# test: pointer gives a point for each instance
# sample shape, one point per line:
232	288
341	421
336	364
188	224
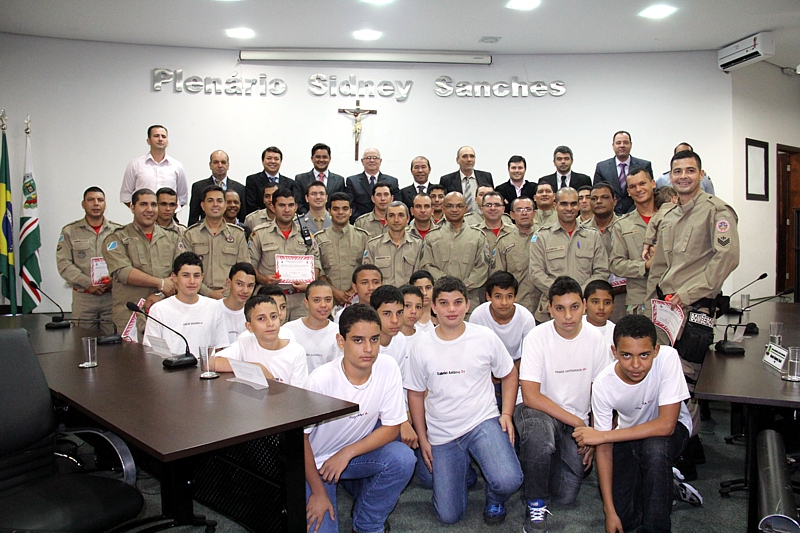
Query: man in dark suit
219	165
420	170
564	176
467	175
271	159
516	185
359	186
616	169
320	158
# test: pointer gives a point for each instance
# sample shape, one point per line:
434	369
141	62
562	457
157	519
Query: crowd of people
473	324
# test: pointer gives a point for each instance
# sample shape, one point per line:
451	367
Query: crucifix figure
357	112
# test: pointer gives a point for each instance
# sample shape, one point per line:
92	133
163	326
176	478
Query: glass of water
776	333
791	366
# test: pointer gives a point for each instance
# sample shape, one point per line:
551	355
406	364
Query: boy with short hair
366	278
280	359
412	301
599	296
560	359
423	280
276	293
240	284
647	389
315	332
500	313
198	318
459	416
367	460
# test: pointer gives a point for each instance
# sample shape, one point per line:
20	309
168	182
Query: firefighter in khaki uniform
79	246
493	223
700	240
167	206
512	252
456	249
341	248
374	222
220	245
627	240
566	249
283	236
397	252
139	258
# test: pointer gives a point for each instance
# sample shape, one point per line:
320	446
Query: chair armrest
121	449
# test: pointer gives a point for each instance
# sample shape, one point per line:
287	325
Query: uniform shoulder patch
724	241
723	226
61	238
181	247
533	239
111	246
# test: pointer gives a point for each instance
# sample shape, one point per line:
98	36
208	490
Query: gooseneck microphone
736	310
114	338
58	322
170	362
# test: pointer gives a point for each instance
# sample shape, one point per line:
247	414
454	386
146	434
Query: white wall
766	107
91	104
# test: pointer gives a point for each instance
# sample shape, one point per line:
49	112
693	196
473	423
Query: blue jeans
549	457
375	480
642	485
488	444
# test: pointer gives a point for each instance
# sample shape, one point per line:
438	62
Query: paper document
100	272
249	374
668	317
291	268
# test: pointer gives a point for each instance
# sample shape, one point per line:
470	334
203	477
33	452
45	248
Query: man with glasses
317	218
359	186
512	251
493	224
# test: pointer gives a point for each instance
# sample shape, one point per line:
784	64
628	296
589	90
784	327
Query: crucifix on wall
357	112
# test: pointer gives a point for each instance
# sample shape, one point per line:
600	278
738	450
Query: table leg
295	480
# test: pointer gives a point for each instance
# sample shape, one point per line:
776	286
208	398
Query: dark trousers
642	486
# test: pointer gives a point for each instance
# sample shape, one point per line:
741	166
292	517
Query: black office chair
32	495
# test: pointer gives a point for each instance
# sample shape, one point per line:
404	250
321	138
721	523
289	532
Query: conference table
747	380
174	416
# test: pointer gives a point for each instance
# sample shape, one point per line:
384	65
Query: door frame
782	213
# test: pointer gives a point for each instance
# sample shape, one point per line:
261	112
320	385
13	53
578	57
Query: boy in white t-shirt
599	297
277	294
423	280
280	359
458	418
198	318
413	306
646	388
366	278
360	451
315	332
240	284
560	359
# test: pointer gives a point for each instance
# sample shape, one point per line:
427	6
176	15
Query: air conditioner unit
755	48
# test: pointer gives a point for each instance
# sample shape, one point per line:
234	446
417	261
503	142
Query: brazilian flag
8	275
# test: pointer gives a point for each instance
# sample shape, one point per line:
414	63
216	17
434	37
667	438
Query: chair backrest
26	416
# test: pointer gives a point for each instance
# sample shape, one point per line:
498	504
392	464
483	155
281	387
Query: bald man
219	164
466	179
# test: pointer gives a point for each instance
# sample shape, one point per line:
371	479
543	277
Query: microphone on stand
58	322
752	327
170	362
735	310
114	338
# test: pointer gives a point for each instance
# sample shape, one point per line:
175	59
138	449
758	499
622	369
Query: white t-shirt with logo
512	333
457	375
565	368
608	334
234	321
637	404
320	344
201	323
381	397
288	364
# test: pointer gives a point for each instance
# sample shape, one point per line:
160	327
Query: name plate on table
248	374
775	355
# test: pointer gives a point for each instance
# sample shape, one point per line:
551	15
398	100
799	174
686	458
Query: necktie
371	183
563	181
468	194
623	182
322	177
421	188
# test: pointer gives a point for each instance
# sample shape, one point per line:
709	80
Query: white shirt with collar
145	173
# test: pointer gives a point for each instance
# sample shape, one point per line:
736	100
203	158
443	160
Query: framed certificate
291	268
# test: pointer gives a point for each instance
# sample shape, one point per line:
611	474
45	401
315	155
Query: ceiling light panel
240	33
367	35
658	11
523	5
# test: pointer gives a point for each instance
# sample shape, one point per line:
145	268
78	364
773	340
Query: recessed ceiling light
523	5
489	39
367	35
658	11
378	2
240	33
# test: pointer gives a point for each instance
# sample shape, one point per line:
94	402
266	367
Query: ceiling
555	27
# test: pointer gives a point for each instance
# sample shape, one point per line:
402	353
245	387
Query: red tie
322	177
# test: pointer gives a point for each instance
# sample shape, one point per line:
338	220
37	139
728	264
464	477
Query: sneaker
536	519
683	491
494	514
